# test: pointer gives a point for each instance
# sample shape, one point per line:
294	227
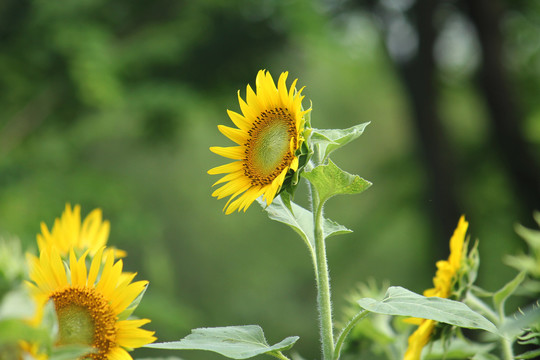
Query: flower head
269	134
68	232
91	306
443	283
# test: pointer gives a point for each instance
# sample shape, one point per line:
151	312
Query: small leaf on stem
327	140
301	220
330	180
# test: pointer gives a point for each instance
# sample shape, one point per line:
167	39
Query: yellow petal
94	267
233	152
118	353
125	295
227	168
419	339
229	177
238	120
236	135
231	188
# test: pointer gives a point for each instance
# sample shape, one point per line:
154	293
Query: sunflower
91	306
269	135
443	281
30	351
68	232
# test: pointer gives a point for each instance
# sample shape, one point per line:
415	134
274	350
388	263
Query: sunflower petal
236	135
222	169
233	152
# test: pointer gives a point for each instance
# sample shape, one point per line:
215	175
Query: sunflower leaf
457	349
16	304
500	297
330	180
532	354
301	220
484	356
515	324
403	302
235	342
14	330
327	140
69	352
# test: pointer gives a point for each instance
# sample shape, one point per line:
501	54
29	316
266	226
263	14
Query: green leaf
400	301
330	180
483	356
522	263
533	354
17	304
500	297
301	220
327	140
532	237
14	330
516	324
457	349
69	352
235	342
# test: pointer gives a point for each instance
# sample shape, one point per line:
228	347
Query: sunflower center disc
75	325
85	318
270	147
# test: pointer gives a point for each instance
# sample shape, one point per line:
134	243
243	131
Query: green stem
324	302
476	303
508	353
482	307
346	330
279	355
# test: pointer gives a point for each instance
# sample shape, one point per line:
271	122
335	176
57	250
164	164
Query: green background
114	104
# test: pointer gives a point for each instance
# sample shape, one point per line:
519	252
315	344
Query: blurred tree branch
418	74
507	119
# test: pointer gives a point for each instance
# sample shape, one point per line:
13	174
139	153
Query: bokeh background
114	104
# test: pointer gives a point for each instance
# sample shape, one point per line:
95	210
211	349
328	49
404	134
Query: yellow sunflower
69	232
269	133
30	351
443	281
91	306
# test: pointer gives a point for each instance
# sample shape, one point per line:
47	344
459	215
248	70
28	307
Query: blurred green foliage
114	105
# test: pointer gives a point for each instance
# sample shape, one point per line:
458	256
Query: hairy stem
476	304
346	330
324	302
279	355
497	319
